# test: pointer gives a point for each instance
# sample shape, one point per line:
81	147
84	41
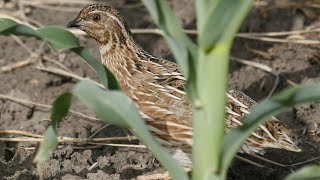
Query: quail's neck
122	59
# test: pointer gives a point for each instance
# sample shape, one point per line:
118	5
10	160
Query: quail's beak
75	23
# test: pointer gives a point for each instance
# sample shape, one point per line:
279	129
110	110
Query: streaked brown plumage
157	87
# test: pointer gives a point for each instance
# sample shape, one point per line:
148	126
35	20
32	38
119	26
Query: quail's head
102	22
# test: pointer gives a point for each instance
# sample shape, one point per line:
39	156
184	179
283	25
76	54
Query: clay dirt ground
293	63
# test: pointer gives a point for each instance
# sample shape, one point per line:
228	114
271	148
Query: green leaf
113	83
47	146
59	38
262	111
106	77
116	108
306	173
6	24
49	143
61	107
21	29
222	22
153	10
183	48
203	10
108	105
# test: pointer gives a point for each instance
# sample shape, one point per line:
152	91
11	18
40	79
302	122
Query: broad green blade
106	77
116	108
47	146
279	103
6	24
110	106
222	22
203	8
61	107
152	6
59	38
183	49
311	172
59	110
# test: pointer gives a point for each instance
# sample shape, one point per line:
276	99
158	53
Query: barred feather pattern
158	89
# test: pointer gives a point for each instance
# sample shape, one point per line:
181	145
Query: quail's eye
96	17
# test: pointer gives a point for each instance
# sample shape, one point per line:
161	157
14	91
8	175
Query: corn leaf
306	173
218	21
49	143
59	39
203	9
279	103
184	50
116	108
47	146
222	22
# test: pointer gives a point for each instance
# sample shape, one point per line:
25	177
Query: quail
158	88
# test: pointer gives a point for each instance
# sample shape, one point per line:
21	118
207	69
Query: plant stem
209	111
